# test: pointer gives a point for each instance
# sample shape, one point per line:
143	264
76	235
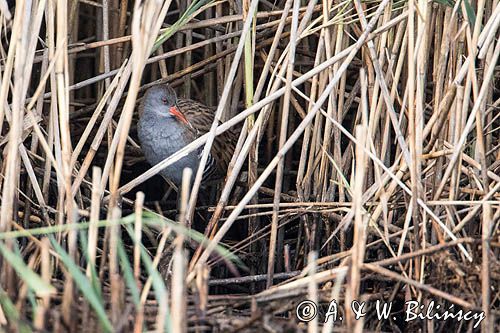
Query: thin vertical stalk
360	218
282	140
19	41
312	289
94	217
179	304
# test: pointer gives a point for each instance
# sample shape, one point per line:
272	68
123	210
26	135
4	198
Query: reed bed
367	168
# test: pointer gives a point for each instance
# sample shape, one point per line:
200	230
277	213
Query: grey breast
162	137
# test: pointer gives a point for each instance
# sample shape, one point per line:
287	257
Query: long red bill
174	111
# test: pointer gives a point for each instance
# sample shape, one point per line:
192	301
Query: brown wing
201	118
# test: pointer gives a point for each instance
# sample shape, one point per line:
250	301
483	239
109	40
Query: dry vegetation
368	165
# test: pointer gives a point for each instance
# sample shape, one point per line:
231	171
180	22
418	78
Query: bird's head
162	99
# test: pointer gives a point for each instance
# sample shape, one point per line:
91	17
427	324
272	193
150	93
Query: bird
167	124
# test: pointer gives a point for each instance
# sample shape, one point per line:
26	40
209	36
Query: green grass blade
183	19
127	273
150	219
93	272
154	219
158	283
84	285
470	13
33	280
10	311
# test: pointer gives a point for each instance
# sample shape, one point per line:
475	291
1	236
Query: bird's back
201	118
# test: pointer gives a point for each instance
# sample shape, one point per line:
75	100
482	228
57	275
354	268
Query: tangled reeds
367	172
